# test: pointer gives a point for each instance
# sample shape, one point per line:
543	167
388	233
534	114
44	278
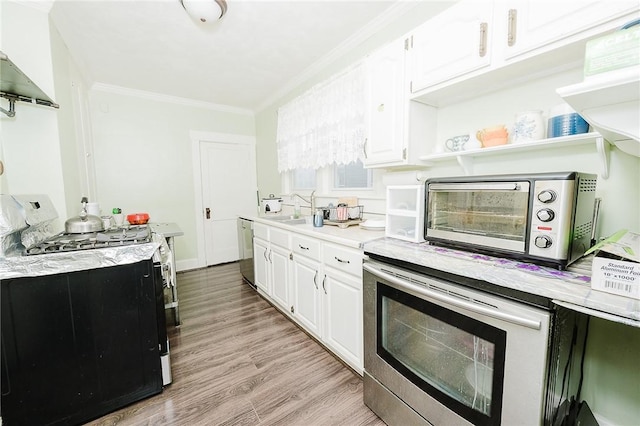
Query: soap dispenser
296	209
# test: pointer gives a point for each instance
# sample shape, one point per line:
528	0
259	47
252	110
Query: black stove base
79	345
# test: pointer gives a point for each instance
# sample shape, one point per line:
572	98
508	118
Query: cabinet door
453	43
306	304
261	264
533	24
387	95
343	313
279	258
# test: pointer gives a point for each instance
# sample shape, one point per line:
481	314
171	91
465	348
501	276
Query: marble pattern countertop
352	236
571	288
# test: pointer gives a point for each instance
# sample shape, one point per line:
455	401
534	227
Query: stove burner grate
64	242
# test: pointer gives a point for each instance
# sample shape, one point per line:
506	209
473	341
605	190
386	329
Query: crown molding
159	97
40	5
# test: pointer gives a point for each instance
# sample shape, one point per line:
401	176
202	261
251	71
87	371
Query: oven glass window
490	213
456	359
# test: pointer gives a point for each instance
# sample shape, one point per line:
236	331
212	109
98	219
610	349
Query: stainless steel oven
445	354
545	218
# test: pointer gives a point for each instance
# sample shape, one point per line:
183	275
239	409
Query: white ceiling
258	51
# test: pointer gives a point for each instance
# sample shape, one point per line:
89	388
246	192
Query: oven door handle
451	300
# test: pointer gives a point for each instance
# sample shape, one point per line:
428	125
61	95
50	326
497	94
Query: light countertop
571	288
166	229
352	236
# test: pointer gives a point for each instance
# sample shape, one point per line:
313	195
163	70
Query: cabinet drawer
260	231
343	258
306	247
279	237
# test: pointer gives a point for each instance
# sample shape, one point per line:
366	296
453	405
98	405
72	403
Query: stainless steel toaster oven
544	218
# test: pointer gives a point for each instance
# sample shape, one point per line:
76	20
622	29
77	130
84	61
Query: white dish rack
354	216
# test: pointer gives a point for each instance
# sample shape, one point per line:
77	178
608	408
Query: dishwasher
245	244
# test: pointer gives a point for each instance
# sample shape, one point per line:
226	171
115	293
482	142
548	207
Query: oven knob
545	215
547	196
543	241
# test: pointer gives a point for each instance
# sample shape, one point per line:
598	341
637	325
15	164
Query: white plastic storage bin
405	212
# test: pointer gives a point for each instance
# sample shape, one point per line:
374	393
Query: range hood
610	103
16	86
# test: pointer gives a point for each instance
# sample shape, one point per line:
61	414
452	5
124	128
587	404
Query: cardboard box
616	265
614	51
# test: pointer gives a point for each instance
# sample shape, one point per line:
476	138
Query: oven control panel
553	204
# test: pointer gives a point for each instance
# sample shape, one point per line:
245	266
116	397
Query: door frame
196	138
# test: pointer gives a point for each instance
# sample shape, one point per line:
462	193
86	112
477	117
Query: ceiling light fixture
205	10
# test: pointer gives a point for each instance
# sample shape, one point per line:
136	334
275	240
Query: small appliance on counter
544	218
272	204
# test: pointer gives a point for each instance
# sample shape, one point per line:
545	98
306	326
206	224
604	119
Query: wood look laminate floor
236	360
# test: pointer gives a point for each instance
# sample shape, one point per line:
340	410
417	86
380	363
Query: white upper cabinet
479	46
451	44
390	141
534	24
385	106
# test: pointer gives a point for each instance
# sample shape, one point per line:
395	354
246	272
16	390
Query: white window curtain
324	125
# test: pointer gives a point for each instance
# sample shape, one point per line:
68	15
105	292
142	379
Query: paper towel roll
93	208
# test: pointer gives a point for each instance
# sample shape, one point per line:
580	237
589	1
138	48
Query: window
303	179
352	175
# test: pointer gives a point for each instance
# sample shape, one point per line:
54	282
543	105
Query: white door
228	190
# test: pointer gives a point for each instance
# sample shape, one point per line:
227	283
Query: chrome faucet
311	200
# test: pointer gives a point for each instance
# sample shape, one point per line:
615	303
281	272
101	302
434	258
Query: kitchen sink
289	220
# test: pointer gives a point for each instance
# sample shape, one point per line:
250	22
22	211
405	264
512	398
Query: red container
138	218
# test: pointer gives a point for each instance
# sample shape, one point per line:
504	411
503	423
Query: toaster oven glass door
493	214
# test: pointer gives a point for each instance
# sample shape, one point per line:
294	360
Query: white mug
456	143
529	126
118	219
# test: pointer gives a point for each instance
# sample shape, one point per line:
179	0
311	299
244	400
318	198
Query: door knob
208	213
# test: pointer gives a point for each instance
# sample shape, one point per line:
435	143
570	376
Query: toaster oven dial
547	196
543	241
545	215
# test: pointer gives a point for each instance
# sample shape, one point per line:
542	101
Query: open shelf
610	103
466	158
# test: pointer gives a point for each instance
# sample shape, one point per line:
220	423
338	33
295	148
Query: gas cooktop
116	237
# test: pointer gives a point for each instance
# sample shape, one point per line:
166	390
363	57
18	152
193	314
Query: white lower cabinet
318	284
279	258
262	267
307	301
272	254
343	316
342	291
